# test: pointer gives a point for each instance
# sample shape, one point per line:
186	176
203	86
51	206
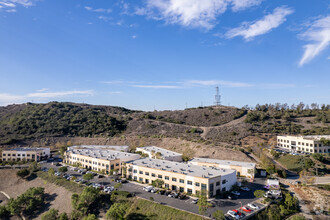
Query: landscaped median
71	186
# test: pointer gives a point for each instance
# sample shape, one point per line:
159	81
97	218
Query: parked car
246	209
253	206
182	196
148	188
173	195
58	164
162	192
233	214
194	201
154	190
241	215
236	193
245	189
167	192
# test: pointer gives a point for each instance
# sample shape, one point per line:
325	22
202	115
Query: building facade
307	144
98	160
242	168
28	154
160	153
182	177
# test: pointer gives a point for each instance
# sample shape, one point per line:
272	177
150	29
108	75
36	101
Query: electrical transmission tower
217	96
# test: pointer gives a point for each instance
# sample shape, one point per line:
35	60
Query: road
186	204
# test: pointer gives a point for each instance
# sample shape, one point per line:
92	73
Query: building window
23	155
8	154
27	155
117	164
217	183
141	179
181	189
189	182
167	178
140	172
203	186
146	173
189	191
112	167
197	184
167	186
173	179
3	155
134	171
153	175
147	181
181	181
160	176
135	178
18	155
14	155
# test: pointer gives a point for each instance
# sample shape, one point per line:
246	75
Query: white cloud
319	35
157	86
248	30
134	37
100	10
328	57
6	98
218	82
191	13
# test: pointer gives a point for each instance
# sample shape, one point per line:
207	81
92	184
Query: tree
202	203
83	201
259	193
3	212
63	169
218	215
90	217
273	213
88	176
117	211
63	216
51	171
297	217
34	166
50	215
158	183
23	173
62	150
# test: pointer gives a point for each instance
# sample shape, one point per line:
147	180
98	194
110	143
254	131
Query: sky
165	54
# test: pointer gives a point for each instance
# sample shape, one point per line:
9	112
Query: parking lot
185	204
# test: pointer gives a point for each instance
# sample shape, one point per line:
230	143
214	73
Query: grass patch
293	162
71	186
151	210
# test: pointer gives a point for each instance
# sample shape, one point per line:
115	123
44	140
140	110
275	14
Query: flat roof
307	137
26	149
102	154
224	162
164	152
110	147
182	168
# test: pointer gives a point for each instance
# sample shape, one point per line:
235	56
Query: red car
246	209
238	213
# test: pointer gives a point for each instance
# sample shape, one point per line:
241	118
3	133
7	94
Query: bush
88	176
63	169
259	193
4	212
23	173
50	215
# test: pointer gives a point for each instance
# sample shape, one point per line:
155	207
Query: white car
245	189
233	214
235	193
148	188
194	201
253	206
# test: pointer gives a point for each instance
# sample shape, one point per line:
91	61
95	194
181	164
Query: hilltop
213	126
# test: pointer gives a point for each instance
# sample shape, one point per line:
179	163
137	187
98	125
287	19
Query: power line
217	96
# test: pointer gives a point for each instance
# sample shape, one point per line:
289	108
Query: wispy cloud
14	3
249	30
318	33
99	10
218	82
6	98
157	86
191	13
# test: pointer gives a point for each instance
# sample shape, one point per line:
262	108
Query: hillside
213	126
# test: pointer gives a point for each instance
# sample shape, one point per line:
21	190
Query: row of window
89	161
14	155
189	182
306	149
301	143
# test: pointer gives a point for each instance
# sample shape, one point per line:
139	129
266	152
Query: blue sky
164	54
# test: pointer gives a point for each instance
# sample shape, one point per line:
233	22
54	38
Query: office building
28	154
160	153
307	144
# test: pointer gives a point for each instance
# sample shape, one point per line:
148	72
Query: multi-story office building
242	168
28	154
182	177
308	144
160	153
100	147
99	160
